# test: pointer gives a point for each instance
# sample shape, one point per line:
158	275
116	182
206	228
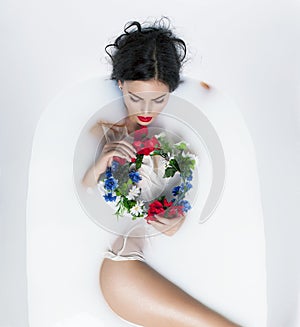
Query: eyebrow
143	99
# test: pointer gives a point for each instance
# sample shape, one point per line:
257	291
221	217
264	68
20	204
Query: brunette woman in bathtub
146	66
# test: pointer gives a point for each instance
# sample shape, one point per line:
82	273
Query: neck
131	126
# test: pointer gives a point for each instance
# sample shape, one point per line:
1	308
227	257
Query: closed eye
159	101
134	100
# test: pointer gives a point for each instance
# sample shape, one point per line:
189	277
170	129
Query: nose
146	107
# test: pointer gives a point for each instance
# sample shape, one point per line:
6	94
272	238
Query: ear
120	84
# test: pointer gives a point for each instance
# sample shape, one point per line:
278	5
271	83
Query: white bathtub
227	269
64	245
257	63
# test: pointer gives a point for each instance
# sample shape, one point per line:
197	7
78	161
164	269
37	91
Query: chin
144	123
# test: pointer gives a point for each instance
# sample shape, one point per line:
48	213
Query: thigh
139	294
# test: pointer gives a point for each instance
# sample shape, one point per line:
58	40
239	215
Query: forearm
92	175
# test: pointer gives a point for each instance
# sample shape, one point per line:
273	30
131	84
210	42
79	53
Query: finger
129	148
115	146
163	220
181	221
169	221
125	151
121	154
129	145
159	226
118	153
167	230
110	155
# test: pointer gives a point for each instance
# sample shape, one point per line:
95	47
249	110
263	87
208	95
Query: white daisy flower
181	142
190	155
133	193
161	134
137	209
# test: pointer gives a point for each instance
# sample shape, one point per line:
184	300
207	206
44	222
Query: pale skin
132	289
139	294
141	98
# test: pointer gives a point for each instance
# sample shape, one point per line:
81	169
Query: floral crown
121	179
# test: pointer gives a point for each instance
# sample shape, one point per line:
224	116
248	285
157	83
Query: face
144	100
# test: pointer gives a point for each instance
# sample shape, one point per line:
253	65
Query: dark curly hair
144	53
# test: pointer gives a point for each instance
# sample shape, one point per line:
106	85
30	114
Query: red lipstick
144	119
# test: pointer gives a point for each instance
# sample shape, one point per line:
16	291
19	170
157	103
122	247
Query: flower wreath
120	181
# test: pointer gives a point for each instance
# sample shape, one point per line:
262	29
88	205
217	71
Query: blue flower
109	197
186	205
108	173
135	176
188	185
176	190
110	184
114	165
190	177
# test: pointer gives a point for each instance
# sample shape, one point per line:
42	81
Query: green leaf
139	161
128	204
170	172
181	146
193	162
161	198
173	163
157	152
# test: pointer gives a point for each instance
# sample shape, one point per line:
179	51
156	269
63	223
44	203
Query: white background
248	49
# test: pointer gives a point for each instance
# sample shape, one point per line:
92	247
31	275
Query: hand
168	226
120	149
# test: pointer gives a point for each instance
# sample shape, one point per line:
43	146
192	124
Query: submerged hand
168	226
121	149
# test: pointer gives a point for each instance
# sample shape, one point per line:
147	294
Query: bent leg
139	294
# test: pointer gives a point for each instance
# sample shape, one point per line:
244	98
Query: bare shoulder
101	127
110	131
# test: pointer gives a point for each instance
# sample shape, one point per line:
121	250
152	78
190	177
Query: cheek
132	107
159	107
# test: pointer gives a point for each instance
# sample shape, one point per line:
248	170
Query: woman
146	65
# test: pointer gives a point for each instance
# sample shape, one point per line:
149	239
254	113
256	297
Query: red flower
152	143
147	146
145	151
138	145
155	208
166	203
175	211
141	133
121	161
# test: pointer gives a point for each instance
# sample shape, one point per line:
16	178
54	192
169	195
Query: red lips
144	119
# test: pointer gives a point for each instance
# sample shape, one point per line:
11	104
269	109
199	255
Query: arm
120	149
91	176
